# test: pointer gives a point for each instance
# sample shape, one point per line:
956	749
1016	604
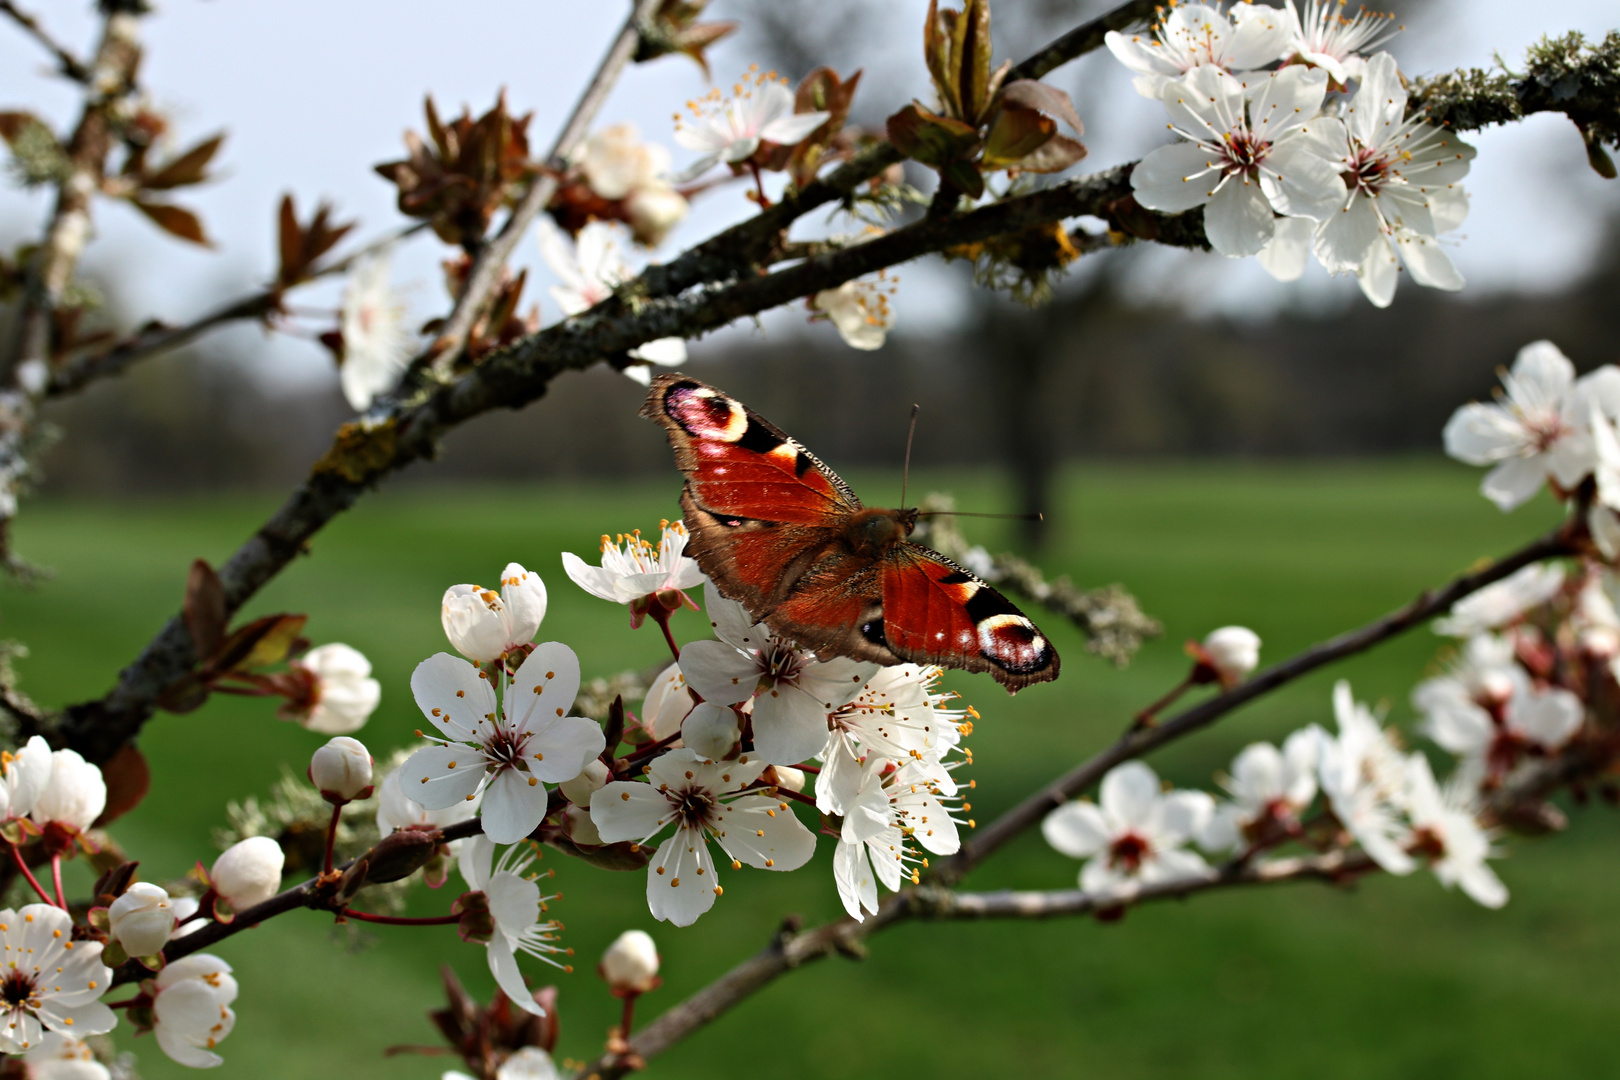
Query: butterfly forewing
778	531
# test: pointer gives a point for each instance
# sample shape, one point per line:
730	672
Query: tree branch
486	269
81	371
70	65
844	936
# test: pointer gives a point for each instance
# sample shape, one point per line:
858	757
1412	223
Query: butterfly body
782	534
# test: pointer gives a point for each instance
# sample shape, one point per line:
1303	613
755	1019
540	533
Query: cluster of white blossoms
1317	155
1355	787
620	167
747	715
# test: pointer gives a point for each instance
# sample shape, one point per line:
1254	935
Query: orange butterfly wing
772	527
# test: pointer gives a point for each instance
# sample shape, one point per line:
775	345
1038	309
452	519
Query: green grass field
1395	979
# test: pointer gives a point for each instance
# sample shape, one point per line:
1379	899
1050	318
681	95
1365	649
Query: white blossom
730	129
341	770
860	310
795	690
619	166
1134	834
397	810
50	981
524	1063
248	872
1541	429
483	625
1445	826
631	963
894	802
376	339
142	919
633	569
1401	174
1363	775
341	696
1502	603
1270	788
667	703
588	269
193	1009
508	752
1332	42
24	774
898	715
62	1057
1245	160
517	908
75	795
1247	37
703	800
1490	736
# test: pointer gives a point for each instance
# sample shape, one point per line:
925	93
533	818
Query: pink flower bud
631	963
142	919
341	770
249	872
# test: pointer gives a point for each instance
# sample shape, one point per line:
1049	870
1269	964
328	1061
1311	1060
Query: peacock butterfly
780	533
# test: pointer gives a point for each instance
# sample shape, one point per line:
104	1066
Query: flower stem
651	748
400	920
331	838
56	879
628	1017
1145	718
660	615
28	875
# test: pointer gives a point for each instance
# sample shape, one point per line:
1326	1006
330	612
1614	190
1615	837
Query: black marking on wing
987	603
872	631
803	463
957	577
759	439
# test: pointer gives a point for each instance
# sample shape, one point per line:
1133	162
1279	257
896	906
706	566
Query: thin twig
81	371
70	65
486	269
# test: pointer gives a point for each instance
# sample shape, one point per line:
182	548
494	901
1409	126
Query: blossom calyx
142	919
477	925
248	873
630	964
341	770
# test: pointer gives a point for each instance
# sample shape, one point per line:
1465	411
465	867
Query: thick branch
81	371
486	270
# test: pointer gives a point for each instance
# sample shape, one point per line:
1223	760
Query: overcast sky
313	93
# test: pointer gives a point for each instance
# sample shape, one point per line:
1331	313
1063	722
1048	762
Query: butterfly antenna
905	473
970	513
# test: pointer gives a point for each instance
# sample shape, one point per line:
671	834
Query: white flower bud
666	704
1234	651
580	789
249	872
654	210
789	778
581	829
23	776
483	625
142	919
61	1057
631	962
75	795
344	696
341	770
192	1010
710	731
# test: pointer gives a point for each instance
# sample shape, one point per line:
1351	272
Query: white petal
1514	482
512	808
1286	256
666	352
504	966
442	776
1238	220
1347	235
593	579
857	886
543	687
524	595
623	810
454	696
1077	829
560	749
680	894
765	834
792	129
1175	178
1378	274
790	725
1306	184
1129	794
718	673
1549	718
710	730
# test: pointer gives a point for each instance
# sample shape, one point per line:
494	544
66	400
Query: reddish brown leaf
260	643
174	220
1055	155
928	137
289	238
1031	94
128	780
204	610
189	168
1016	133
